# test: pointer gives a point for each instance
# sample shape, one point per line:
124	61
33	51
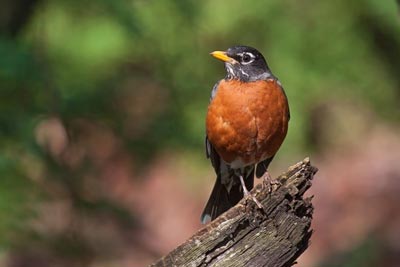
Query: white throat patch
229	70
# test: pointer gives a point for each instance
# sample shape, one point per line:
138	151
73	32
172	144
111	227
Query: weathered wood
247	236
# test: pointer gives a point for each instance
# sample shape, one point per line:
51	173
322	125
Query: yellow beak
221	55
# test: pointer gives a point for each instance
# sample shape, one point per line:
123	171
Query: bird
246	123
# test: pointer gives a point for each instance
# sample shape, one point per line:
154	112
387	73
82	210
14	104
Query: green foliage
15	195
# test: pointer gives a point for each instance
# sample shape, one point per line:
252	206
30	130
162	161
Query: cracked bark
247	236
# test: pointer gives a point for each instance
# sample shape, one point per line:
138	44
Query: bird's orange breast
247	121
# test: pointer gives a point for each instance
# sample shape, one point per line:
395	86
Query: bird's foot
248	195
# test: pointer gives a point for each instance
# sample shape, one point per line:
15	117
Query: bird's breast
247	121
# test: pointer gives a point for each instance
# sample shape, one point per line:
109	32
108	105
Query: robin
246	123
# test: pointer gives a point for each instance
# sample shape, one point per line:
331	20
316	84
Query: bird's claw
249	196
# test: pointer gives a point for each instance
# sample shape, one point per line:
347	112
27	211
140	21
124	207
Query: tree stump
248	236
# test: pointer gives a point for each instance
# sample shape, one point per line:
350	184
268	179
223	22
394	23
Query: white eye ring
247	58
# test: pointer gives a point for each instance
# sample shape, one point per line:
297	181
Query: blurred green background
102	107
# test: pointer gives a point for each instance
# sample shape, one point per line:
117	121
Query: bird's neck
244	77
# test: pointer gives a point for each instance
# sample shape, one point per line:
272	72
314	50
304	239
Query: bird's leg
247	194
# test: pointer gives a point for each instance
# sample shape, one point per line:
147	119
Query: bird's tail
221	199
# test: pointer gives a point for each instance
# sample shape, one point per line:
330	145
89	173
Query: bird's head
244	63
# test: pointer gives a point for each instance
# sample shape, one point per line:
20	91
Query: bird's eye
247	58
